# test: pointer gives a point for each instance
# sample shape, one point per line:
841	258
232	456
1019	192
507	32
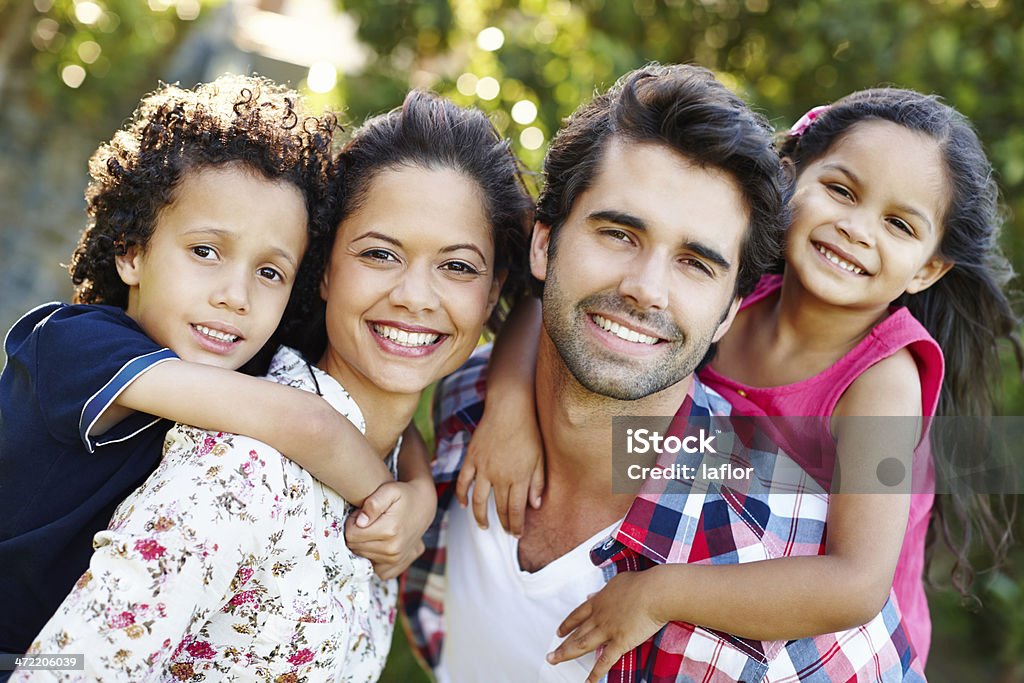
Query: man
663	203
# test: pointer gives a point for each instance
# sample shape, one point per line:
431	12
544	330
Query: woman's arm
506	451
297	423
791	597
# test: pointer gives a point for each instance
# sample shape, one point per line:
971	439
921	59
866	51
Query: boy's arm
297	423
506	452
791	597
389	529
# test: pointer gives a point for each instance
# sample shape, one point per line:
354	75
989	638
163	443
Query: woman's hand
388	529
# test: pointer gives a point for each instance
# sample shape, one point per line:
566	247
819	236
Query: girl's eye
379	255
901	225
270	274
838	189
204	252
460	267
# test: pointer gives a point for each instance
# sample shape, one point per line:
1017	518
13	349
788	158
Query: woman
232	560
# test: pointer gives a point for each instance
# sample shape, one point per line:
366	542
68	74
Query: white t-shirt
500	621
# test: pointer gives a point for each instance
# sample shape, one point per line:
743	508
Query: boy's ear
539	244
929	274
129	263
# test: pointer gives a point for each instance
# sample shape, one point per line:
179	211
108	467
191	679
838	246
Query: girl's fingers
481	490
517	509
463	482
606	658
536	493
575	618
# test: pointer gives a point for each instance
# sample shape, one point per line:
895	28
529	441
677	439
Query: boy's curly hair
235	119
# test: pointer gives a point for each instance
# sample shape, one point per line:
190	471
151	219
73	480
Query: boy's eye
204	252
270	274
460	267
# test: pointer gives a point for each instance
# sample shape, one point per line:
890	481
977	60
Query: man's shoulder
461	394
709	399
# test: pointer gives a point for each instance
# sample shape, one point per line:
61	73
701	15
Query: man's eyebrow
709	254
619	218
630	221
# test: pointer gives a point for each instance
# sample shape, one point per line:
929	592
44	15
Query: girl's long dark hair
967	311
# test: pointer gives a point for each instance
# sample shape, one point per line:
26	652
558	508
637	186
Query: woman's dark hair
431	132
686	109
243	120
966	311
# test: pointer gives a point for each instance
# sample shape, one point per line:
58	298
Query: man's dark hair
686	109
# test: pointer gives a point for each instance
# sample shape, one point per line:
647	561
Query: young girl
892	247
230	562
200	210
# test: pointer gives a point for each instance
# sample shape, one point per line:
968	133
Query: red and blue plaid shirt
680	522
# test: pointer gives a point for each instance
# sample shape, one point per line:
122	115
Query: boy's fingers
517	509
462	485
481	490
536	493
501	505
577	644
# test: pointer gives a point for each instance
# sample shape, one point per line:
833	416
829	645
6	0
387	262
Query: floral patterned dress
229	563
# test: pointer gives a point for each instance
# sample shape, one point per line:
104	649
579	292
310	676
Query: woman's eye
204	252
460	267
270	274
380	255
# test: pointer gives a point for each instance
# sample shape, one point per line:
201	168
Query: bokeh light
73	75
488	88
490	39
524	112
531	138
322	77
88	13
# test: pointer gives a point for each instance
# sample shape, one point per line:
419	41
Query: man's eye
698	265
618	235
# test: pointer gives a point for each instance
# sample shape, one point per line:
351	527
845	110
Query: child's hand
504	454
614	621
388	529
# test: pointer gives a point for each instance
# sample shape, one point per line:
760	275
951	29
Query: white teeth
404	338
845	265
217	334
623	332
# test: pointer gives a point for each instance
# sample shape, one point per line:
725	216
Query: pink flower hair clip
807	119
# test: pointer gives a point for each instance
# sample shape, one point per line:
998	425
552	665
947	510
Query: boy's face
213	281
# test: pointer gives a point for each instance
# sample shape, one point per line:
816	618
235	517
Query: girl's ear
129	263
789	169
928	275
539	243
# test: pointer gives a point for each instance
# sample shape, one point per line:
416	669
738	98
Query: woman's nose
414	290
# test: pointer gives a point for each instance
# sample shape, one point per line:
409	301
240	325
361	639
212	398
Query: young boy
200	212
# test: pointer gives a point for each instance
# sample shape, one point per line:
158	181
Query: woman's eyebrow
465	245
380	236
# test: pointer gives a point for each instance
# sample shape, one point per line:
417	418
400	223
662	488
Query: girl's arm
297	423
791	597
506	452
389	529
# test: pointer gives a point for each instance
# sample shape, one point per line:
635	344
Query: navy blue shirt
60	483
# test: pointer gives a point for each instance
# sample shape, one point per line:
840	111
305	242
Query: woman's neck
386	413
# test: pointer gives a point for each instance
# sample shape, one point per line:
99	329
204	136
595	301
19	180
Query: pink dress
818	395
